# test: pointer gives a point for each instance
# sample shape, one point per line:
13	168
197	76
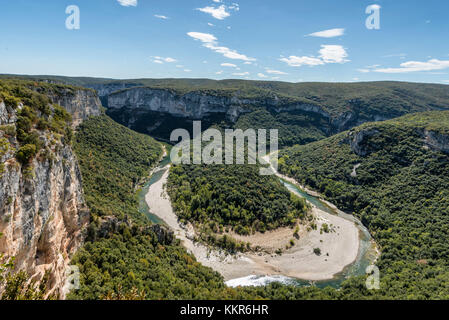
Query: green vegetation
295	127
36	115
135	260
336	106
113	160
400	192
130	262
17	285
366	98
218	199
234	196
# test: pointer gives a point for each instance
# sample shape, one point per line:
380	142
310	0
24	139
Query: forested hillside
125	257
394	175
302	112
218	198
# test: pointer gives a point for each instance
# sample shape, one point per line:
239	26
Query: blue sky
286	40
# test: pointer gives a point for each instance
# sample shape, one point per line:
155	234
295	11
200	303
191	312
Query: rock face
192	105
43	214
357	141
7	114
80	103
436	141
197	105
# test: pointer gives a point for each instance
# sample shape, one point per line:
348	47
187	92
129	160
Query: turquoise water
366	255
367	252
155	177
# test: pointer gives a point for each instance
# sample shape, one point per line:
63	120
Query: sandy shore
339	247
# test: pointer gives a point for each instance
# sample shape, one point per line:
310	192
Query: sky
285	40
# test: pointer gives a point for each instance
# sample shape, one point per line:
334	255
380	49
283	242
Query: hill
303	112
394	176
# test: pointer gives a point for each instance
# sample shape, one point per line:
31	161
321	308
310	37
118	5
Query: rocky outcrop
43	214
436	141
104	90
358	141
8	115
193	105
80	103
197	105
164	235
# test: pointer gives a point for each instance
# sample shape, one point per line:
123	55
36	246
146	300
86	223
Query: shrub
26	153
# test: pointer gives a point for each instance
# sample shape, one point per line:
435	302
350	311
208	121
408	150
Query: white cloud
211	24
275	78
235	7
271	71
228	53
219	72
295	61
187	70
416	66
333	54
400	55
228	65
329	33
219	13
247	62
203	37
161	16
241	74
161	60
368	68
261	75
210	41
128	3
328	54
446	81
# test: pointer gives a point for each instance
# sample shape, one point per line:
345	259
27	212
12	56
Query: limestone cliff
80	103
436	140
42	209
201	104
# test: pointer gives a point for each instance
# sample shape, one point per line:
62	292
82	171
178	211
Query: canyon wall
42	209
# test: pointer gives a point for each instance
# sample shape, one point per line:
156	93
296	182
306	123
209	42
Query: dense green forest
129	261
132	263
220	198
398	185
113	160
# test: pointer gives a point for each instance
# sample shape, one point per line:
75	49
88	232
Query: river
367	252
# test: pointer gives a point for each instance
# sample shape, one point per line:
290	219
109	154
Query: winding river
367	251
